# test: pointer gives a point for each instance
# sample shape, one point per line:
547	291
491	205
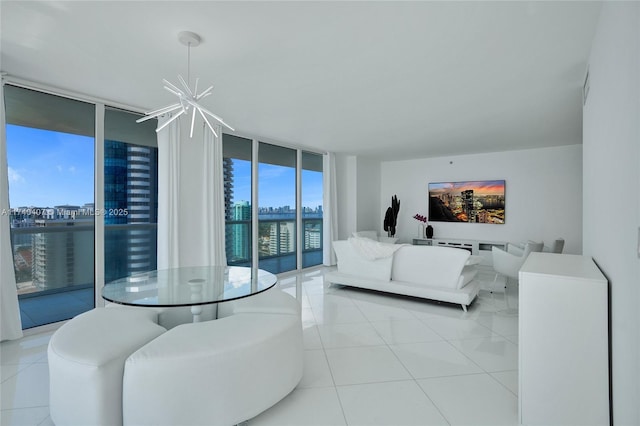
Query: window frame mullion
99	263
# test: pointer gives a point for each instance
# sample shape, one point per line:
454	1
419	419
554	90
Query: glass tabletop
189	286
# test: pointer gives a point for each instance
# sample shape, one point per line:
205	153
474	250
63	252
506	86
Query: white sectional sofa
437	273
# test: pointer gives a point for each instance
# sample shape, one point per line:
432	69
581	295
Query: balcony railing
54	266
276	243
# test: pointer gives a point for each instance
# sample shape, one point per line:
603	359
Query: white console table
563	341
476	247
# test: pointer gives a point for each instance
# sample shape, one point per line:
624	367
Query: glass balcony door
276	208
50	154
281	219
312	197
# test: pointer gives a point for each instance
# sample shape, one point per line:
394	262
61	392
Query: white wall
543	193
368	196
358	194
346	178
611	139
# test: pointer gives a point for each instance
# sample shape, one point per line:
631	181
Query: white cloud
271	172
72	170
59	167
14	177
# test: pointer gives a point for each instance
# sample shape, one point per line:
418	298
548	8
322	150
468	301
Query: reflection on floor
370	359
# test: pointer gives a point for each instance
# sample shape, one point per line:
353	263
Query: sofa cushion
438	266
372	250
372	235
468	273
387	240
349	262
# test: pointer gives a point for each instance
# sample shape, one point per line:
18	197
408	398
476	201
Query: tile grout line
438	409
446	419
326	358
502	384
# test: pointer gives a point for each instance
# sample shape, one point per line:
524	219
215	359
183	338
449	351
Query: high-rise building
282	238
240	232
312	237
467	205
131	205
62	254
227	176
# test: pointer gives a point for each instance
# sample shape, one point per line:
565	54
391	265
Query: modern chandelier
188	100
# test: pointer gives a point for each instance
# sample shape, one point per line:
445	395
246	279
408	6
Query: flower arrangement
428	231
421	218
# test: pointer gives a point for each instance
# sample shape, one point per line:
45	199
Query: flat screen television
480	201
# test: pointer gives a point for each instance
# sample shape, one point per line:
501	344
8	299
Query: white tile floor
370	359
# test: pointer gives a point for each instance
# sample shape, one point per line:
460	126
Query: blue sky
48	168
277	185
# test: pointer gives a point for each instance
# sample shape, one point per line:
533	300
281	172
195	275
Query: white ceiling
393	80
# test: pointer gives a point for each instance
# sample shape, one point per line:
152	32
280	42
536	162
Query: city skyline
48	169
469	201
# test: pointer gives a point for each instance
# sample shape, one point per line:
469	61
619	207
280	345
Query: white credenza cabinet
476	247
563	341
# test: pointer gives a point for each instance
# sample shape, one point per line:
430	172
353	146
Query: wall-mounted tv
471	201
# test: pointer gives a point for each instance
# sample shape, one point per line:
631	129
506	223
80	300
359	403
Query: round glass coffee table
188	286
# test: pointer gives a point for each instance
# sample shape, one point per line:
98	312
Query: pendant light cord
189	64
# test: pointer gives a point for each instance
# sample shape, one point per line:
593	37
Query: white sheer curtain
10	324
169	195
330	208
213	229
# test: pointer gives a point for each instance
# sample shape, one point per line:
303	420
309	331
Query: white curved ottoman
86	363
219	372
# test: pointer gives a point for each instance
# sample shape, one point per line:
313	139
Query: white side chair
508	263
557	246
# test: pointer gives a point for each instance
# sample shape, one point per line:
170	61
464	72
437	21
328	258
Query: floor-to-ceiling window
311	192
51	151
237	198
50	155
274	178
130	194
276	208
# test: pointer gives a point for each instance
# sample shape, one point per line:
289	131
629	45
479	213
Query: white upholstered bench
86	363
219	372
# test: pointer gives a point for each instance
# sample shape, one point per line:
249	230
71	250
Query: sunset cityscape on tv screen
469	201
